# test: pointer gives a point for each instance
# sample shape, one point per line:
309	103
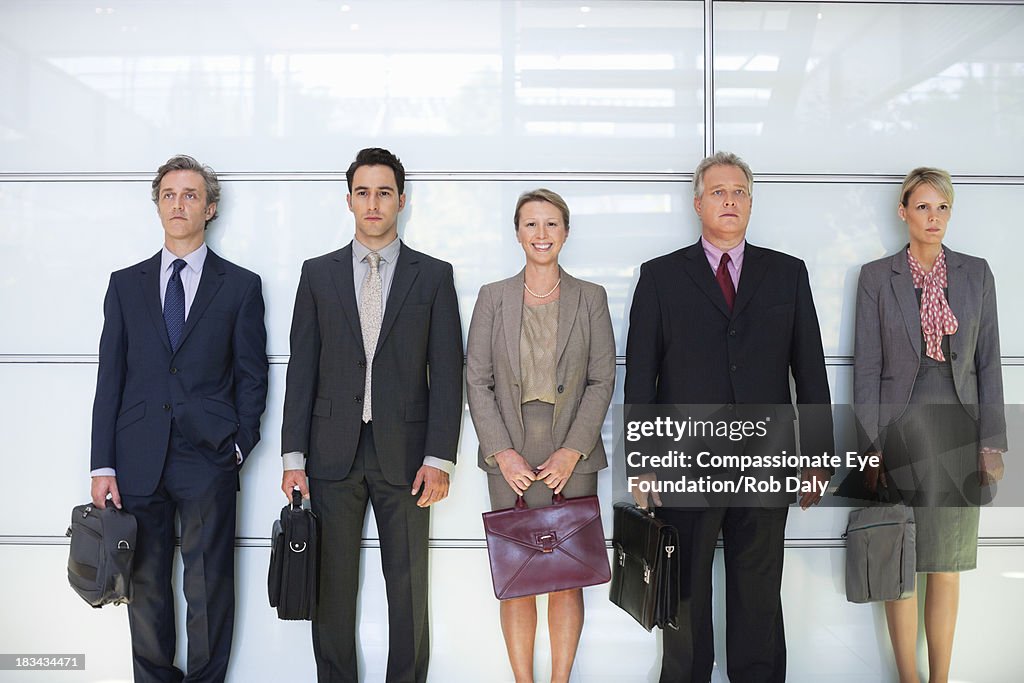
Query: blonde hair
542	195
936	178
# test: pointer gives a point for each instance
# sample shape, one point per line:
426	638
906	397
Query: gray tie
369	318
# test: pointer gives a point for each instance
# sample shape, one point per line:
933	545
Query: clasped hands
990	470
554	472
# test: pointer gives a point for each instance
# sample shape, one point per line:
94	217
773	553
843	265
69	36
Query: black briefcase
292	580
101	554
645	568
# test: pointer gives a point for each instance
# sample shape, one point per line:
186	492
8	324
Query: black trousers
203	496
403	529
755	635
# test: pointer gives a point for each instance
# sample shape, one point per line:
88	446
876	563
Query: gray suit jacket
585	373
417	368
888	345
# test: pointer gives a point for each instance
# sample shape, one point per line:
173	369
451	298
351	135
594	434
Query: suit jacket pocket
322	407
220	409
416	412
131	415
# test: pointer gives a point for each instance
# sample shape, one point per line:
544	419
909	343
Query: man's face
724	208
375	203
181	204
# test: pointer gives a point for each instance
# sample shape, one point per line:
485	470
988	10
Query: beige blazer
585	374
887	349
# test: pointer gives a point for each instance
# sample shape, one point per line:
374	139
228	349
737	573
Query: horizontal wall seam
93	359
503	176
479	543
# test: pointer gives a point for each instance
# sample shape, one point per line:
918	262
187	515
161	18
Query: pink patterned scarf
936	317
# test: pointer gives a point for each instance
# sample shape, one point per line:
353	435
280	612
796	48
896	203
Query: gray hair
183	162
720	159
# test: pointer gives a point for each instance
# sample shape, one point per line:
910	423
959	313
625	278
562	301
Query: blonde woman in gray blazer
928	392
540	366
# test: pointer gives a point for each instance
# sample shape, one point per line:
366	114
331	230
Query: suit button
561	388
359	399
362	363
174	371
167	406
732	333
953	355
733	368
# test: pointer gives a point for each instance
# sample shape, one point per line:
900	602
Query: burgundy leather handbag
548	549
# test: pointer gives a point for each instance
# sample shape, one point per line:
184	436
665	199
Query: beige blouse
537	352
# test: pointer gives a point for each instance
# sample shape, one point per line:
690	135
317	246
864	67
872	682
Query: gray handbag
881	557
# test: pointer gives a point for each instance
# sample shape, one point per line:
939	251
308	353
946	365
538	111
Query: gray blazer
585	373
887	350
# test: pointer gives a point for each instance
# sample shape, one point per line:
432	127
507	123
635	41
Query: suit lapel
696	265
568	304
209	284
150	282
751	274
406	271
512	319
956	279
903	288
344	285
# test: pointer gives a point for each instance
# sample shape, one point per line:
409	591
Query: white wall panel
272	226
830	640
861	88
486	85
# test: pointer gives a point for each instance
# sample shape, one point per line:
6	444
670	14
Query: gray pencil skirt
537	419
931	455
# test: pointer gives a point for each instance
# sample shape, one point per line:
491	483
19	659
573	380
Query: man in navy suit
726	323
182	384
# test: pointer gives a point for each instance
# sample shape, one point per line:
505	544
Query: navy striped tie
174	305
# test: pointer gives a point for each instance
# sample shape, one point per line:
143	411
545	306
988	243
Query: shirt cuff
446	466
103	472
295	460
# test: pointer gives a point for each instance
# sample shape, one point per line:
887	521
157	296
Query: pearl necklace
542	296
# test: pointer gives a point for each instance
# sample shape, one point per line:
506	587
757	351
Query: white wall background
605	102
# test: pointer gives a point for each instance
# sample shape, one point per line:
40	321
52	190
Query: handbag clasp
547	540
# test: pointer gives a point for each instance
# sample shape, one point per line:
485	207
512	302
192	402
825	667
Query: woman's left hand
990	467
556	470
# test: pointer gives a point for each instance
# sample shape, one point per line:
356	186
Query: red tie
725	281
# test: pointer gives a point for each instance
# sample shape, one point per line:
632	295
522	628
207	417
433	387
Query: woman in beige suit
540	372
928	391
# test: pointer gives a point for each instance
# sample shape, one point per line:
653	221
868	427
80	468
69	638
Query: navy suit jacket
214	386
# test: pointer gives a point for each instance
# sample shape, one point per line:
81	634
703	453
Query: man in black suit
182	385
724	322
372	411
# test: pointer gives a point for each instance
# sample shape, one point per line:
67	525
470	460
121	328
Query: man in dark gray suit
372	411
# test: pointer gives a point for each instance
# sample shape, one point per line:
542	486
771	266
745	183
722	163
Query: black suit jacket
417	368
685	347
214	386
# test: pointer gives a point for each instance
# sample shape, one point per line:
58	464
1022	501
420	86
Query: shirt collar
388	254
714	254
194	261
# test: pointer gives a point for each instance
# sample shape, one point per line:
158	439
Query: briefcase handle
556	499
296	499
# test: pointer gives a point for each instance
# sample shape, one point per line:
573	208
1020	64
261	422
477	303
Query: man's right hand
644	499
292	479
101	486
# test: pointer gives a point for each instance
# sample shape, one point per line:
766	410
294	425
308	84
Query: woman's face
541	232
926	213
